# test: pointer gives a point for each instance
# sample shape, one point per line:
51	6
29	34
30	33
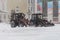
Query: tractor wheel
13	24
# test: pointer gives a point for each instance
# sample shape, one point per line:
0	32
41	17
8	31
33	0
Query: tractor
37	20
15	19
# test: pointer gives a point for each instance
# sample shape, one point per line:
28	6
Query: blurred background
49	8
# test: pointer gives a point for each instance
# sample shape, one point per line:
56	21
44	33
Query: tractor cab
35	18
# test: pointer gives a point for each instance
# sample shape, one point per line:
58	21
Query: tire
13	24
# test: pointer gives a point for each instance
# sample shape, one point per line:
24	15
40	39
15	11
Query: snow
29	33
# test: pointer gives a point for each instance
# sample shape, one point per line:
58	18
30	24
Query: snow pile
29	33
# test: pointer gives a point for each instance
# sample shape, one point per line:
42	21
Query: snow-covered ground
29	33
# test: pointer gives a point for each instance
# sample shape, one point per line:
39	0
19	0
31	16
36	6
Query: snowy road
29	33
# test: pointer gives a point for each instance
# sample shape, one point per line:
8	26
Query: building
31	7
37	7
26	6
22	4
3	11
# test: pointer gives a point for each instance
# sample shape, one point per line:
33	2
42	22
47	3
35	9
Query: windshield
35	16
